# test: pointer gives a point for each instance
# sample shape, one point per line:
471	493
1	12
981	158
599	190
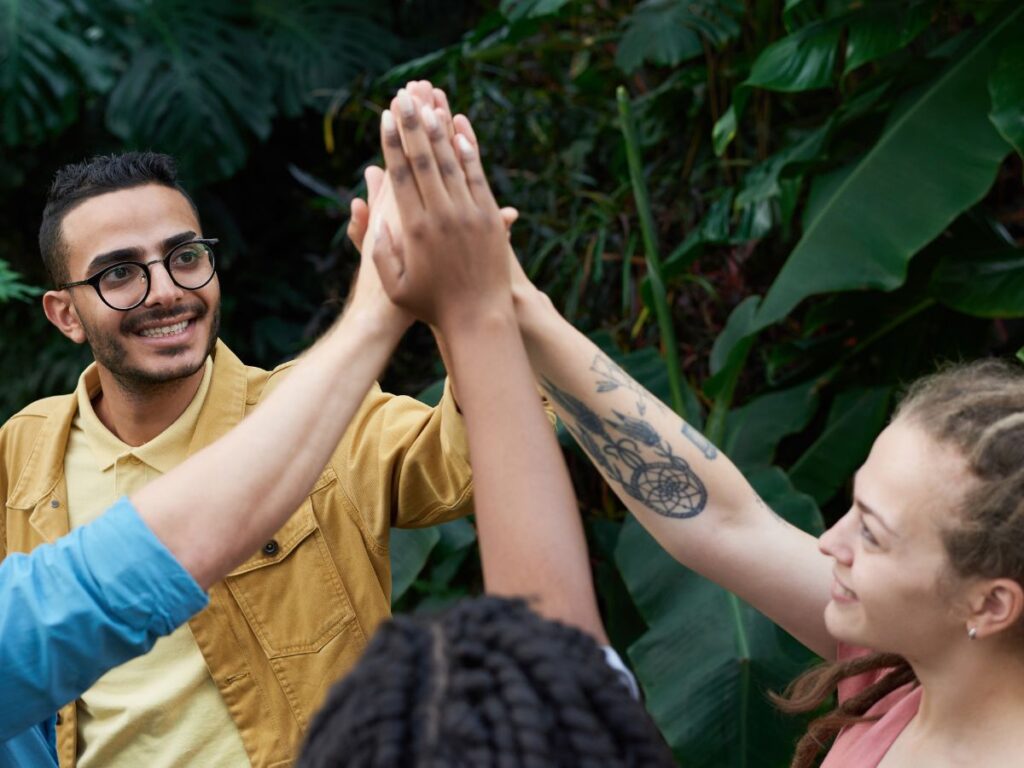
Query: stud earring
972	633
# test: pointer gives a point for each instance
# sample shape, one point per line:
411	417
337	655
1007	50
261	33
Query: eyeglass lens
124	285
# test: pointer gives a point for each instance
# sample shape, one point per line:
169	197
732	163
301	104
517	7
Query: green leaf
669	32
753	432
979	272
801	61
515	10
879	30
47	68
1006	87
12	287
201	103
897	197
707	658
854	421
409	549
317	46
762	182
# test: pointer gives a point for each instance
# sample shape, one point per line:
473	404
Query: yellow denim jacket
282	627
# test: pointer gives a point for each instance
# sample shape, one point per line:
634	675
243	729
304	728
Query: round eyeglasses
125	285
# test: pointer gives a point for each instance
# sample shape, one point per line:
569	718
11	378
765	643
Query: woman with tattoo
914	597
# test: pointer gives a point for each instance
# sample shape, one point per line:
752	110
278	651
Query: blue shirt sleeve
72	610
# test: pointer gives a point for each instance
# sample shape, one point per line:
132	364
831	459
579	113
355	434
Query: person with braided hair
488	683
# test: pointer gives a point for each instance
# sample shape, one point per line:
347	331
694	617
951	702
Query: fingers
479	189
463	126
407	195
387	257
422	91
374	176
358	222
444	112
420	130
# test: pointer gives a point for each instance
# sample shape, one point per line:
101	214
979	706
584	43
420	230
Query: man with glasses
135	278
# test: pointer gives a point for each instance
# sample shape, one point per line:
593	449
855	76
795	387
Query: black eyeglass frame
94	281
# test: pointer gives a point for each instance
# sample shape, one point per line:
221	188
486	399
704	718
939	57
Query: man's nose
162	289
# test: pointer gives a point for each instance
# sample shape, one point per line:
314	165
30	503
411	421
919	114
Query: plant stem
654	270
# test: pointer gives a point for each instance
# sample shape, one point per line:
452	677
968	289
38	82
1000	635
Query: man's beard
110	352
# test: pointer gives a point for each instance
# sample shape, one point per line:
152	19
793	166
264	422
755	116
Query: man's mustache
134	322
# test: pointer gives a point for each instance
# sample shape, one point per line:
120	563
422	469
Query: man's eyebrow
132	254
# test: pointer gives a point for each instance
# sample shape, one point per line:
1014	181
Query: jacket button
54	503
270	548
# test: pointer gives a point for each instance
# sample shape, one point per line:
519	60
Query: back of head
486	683
99	175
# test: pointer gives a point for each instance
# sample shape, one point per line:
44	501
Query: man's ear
998	605
61	312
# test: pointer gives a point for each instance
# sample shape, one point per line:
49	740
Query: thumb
374	176
509	216
387	256
358	222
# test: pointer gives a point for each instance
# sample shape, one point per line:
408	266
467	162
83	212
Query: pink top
864	745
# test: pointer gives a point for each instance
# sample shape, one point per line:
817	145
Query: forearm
531	536
225	501
664	469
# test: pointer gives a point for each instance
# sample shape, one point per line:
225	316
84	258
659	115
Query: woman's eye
867	535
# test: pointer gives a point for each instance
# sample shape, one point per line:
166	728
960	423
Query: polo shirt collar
163	452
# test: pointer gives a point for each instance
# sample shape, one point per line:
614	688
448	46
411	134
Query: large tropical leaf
12	285
753	431
854	421
980	271
316	46
708	658
409	549
203	103
46	68
669	32
898	197
1007	89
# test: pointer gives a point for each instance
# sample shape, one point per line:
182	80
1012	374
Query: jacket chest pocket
290	592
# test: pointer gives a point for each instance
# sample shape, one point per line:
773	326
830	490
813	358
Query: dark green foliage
824	202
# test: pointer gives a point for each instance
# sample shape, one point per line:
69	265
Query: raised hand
450	262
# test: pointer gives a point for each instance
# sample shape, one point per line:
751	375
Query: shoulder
33	416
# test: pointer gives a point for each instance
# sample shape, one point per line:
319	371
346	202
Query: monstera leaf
319	45
672	31
202	102
47	67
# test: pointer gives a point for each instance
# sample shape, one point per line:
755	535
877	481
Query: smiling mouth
165	330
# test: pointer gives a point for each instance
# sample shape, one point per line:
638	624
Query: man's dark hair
97	176
486	683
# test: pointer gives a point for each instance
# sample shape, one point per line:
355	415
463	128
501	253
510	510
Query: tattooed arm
683	490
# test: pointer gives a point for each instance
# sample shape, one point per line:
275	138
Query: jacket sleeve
405	463
72	610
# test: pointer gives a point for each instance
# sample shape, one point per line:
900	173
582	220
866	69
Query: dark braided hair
978	408
487	683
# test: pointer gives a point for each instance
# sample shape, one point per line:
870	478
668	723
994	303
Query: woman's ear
60	311
996	605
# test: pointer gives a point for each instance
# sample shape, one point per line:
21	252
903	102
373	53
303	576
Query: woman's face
892	589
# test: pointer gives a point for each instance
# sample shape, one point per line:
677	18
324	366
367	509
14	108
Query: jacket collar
224	408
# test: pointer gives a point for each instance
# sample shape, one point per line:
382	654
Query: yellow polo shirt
161	710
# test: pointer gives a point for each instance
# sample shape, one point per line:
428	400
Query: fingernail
405	103
429	118
464	146
387	120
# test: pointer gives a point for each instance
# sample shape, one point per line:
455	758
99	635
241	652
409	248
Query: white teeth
166	330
